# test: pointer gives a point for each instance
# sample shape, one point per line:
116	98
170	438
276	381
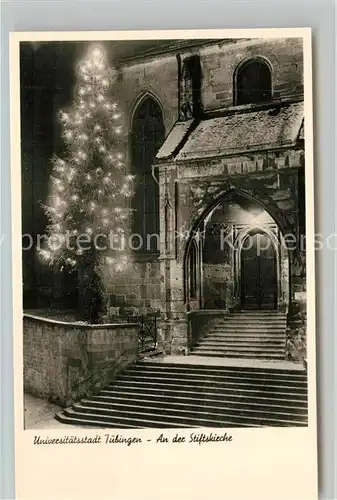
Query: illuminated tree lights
90	186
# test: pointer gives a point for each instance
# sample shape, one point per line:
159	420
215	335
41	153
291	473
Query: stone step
73	419
264	319
243	335
164	385
201	367
224	353
258	313
158	394
278	332
196	404
231	377
253	326
159	418
280	339
238	343
252	376
234	344
193	395
238	348
186	413
246	317
250	317
244	328
250	355
203	384
248	333
120	421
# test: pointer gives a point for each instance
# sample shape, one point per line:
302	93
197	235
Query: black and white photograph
163	221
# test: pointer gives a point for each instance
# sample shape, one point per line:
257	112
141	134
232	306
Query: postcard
163	257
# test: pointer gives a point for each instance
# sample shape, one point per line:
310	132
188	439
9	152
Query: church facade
214	135
217	147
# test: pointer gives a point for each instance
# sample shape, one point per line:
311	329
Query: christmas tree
88	207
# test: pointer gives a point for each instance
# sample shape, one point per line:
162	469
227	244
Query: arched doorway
225	271
258	272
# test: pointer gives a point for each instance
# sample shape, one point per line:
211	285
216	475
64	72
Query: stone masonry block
118	299
135	302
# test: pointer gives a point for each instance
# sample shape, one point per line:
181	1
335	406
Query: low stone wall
64	362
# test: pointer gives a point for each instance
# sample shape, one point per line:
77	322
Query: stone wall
138	286
136	290
296	347
219	63
159	75
66	361
216	284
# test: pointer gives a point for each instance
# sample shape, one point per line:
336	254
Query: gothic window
190	88
253	83
147	136
192	270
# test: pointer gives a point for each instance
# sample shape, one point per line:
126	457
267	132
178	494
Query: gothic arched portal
243	261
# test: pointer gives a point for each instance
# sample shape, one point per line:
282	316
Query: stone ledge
208	312
78	324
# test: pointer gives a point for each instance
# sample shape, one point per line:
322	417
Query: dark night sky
47	77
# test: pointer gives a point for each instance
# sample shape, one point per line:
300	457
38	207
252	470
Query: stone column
297	316
173	328
236	256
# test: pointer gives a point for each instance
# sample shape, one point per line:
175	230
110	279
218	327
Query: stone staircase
157	394
246	334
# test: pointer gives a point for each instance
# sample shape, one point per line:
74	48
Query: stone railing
64	362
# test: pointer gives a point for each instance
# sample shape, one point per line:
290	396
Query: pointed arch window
147	136
253	82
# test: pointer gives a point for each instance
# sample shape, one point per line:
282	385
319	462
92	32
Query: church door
258	273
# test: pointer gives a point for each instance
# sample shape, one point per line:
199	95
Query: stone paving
239	362
39	414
